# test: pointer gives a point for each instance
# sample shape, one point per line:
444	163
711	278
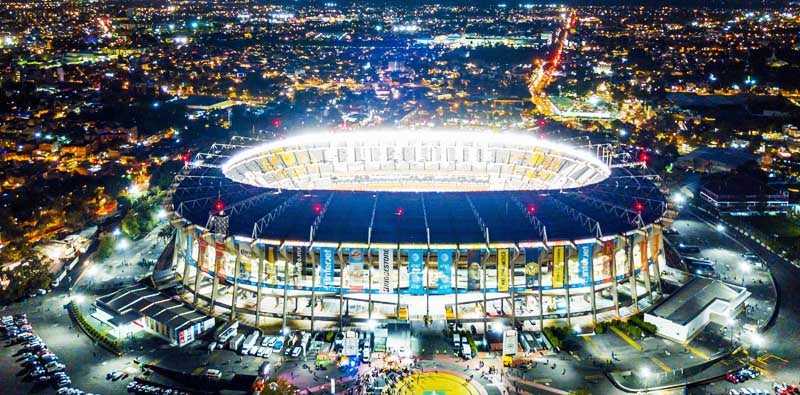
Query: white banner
387	263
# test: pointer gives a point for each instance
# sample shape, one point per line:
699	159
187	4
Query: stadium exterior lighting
720	228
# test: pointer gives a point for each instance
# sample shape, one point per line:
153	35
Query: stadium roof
621	203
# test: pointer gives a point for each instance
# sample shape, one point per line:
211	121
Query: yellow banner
502	269
558	267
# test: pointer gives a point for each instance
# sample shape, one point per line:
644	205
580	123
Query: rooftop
130	303
693	298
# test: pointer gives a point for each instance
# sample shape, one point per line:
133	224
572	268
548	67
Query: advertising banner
643	254
445	265
219	260
387	263
246	259
326	266
355	270
608	257
585	252
531	267
656	245
558	266
270	264
473	270
502	269
299	261
202	259
415	272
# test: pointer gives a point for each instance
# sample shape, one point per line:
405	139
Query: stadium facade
398	225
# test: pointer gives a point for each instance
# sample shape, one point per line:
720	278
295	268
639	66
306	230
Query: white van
213	374
466	351
456	340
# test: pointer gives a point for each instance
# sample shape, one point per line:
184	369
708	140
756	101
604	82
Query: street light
123	245
731	323
116	232
745	268
720	228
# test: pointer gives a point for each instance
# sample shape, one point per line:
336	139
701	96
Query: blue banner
415	272
326	257
445	266
585	262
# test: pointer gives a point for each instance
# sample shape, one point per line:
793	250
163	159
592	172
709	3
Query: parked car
297	351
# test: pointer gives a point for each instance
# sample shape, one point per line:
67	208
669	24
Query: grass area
775	225
780	232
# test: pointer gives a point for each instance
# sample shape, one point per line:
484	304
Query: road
781	355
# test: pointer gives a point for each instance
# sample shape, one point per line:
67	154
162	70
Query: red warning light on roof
317	208
185	157
219	205
399	211
276	122
638	206
531	208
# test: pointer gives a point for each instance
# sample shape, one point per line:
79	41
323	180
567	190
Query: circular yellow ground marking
431	383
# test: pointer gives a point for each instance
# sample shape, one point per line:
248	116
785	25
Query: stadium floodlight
416	160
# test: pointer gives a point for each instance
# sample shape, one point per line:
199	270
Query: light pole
731	324
122	246
744	267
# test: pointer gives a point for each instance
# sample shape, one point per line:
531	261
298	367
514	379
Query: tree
278	386
106	246
130	225
30	275
166	233
162	176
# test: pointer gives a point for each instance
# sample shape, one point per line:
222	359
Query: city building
701	301
739	194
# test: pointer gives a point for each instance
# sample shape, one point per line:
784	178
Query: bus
703	267
227	331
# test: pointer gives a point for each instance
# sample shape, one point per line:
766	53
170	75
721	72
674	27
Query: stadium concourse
390	226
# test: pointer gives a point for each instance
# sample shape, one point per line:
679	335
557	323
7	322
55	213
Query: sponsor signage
387	261
656	245
558	266
270	264
609	252
445	265
202	259
473	270
355	270
299	261
219	261
415	272
502	269
326	265
585	252
531	267
643	254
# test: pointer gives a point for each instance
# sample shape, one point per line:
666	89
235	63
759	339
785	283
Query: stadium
398	225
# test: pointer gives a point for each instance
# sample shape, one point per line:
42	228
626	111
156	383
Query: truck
236	342
249	342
